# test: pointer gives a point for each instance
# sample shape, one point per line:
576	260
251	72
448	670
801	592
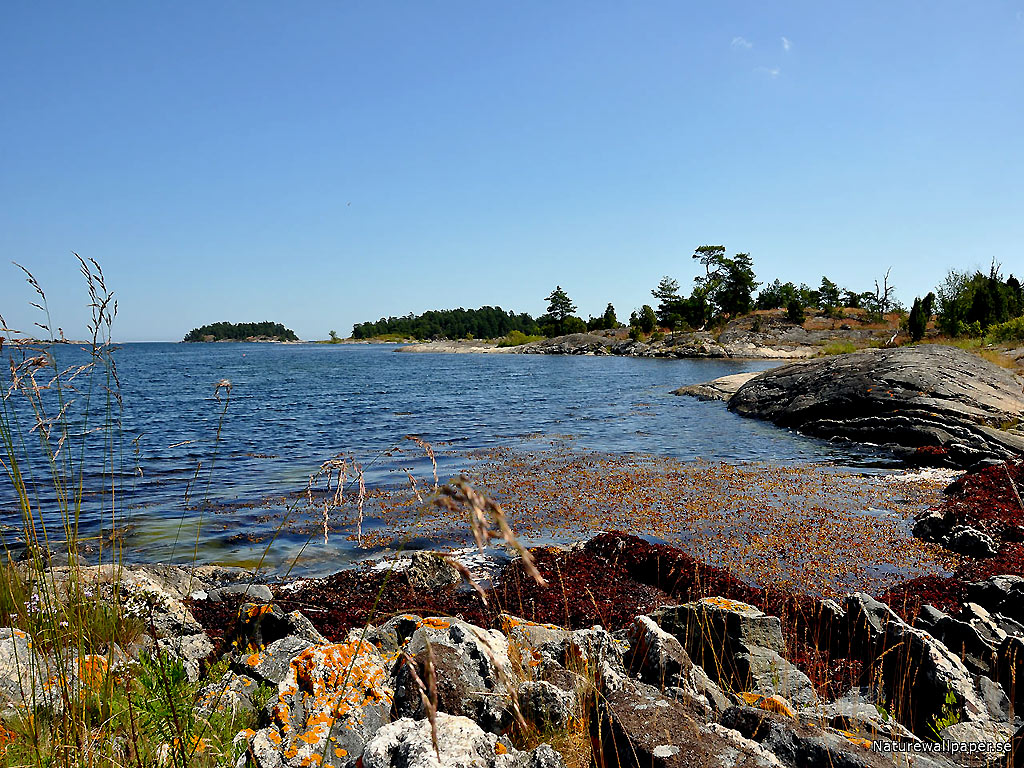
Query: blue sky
324	163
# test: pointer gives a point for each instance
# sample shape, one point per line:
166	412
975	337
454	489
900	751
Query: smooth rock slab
926	395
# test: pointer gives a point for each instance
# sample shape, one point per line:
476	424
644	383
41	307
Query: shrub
795	312
516	339
1011	330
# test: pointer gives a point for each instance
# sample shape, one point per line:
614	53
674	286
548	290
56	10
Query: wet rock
333	699
926	395
471	667
232	694
970	542
407	743
429	571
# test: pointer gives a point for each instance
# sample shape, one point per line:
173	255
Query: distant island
265	331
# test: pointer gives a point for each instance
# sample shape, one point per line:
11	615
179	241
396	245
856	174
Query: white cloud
786	44
741	42
772	72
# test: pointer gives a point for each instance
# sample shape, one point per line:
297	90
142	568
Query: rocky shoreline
631	654
930	404
764	337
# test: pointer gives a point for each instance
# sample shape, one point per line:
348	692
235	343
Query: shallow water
243	468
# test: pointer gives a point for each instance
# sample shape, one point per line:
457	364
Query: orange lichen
855	739
436	622
767	703
500	749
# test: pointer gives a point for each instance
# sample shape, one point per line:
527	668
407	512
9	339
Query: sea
205	452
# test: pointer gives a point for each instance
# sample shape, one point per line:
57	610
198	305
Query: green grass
839	348
517	338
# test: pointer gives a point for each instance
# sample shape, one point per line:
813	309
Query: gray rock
737	645
332	701
970	542
23	673
393	634
718	389
258	592
191	649
407	743
857	712
545	706
429	571
271	665
637	727
999	594
265	749
655	656
260	624
800	744
232	694
542	756
471	667
765	672
718	627
923	683
926	395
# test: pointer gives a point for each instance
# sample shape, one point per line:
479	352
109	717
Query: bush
795	312
517	338
1011	330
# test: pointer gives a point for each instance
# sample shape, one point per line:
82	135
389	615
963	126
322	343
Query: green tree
648	319
610	321
795	311
735	293
560	306
918	321
334	336
667	294
828	294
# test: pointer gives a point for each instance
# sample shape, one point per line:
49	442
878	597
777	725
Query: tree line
482	323
240	332
726	287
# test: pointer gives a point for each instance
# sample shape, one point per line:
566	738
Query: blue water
242	461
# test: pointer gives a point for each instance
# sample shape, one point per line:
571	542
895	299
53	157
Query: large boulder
332	701
910	397
461	743
737	645
922	683
637	727
471	668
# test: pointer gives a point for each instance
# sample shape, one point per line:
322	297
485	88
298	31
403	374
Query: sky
324	163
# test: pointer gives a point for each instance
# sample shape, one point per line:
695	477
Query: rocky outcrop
939	403
722	388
